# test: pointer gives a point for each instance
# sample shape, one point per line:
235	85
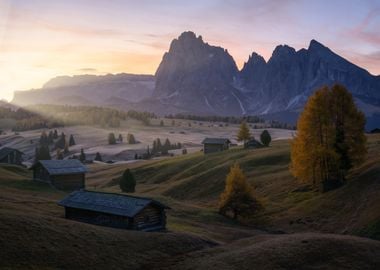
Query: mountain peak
188	36
282	50
316	45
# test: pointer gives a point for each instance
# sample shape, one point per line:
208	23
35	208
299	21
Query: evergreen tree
166	147
71	140
120	138
66	149
154	147
136	156
55	134
98	157
127	181
243	135
44	140
131	138
61	141
184	151
330	139
159	145
111	138
265	138
59	154
50	137
42	153
238	198
82	156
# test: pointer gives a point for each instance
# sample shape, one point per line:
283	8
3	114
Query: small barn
212	145
10	156
115	210
253	143
61	174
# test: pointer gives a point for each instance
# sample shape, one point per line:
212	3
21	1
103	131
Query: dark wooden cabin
61	174
10	156
115	210
212	145
253	143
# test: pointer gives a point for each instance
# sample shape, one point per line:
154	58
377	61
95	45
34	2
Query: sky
41	39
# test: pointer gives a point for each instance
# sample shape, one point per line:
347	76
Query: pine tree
243	135
166	147
42	153
55	134
131	138
61	141
330	139
238	198
120	138
127	182
265	138
111	138
159	145
44	140
59	154
71	140
82	156
98	157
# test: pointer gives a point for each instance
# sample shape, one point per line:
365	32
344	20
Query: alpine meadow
190	135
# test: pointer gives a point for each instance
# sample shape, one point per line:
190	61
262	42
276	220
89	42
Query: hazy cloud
88	70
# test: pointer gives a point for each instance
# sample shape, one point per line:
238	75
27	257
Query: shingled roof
111	203
215	141
59	167
5	151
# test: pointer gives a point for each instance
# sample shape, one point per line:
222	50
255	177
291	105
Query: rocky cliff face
198	77
289	77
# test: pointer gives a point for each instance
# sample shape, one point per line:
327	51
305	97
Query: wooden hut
61	174
10	156
115	210
253	143
212	145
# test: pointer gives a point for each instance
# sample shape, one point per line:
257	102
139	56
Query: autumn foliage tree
238	198
330	139
243	134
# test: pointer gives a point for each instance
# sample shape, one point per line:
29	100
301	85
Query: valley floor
299	228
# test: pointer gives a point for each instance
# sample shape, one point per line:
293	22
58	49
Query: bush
111	138
265	138
127	182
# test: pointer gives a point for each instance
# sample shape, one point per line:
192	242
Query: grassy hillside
35	234
198	179
294	251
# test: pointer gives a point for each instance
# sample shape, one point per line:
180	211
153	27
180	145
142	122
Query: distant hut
61	174
10	156
212	145
115	210
253	143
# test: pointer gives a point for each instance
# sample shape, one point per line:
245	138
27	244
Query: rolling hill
299	228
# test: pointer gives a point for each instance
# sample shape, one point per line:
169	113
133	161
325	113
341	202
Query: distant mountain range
90	90
195	77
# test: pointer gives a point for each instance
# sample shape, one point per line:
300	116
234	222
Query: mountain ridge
198	78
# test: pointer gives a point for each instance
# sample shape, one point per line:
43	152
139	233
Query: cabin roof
60	167
215	141
5	151
111	203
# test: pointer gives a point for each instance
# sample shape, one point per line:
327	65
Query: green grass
372	230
